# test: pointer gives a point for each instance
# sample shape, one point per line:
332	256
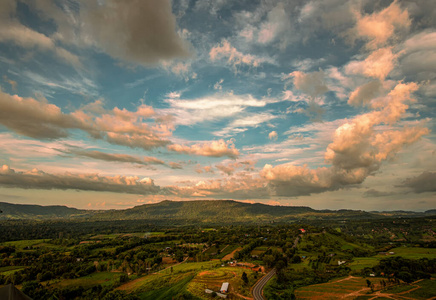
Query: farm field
356	288
359	263
102	278
23	243
345	288
412	252
6	271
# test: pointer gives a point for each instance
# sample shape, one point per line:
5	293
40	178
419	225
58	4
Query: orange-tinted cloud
218	148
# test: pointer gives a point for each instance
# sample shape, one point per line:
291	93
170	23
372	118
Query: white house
224	287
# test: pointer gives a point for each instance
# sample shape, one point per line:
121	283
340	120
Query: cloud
175	165
357	149
33	118
422	183
143	32
380	27
277	26
372	193
211	108
123	158
363	94
40	119
231	167
312	84
240	186
234	57
206	169
418	56
218	148
244	122
36	179
136	31
273	135
25	37
11	82
377	65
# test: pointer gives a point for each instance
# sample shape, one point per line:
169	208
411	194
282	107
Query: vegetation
141	259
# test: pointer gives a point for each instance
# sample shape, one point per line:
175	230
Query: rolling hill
194	212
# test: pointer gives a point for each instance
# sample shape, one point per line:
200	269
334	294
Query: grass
6	271
167	292
23	243
413	252
227	251
427	290
334	289
103	278
359	263
194	266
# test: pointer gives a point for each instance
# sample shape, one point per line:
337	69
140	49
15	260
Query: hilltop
197	211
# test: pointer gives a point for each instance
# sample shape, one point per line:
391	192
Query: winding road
258	288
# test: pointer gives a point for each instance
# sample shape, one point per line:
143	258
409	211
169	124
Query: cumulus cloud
231	167
364	93
33	118
422	183
12	31
36	179
203	169
380	27
377	65
418	56
277	26
312	84
143	32
235	58
273	135
357	149
40	119
240	186
218	148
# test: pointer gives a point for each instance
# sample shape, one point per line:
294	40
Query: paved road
258	288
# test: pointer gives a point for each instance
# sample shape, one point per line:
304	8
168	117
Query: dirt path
230	255
172	266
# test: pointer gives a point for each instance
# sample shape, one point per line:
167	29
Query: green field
359	263
23	244
103	278
6	271
412	252
167	292
192	266
335	289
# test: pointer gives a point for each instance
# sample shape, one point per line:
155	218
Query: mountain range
198	211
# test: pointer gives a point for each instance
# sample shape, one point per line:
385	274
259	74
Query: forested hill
214	211
193	212
26	211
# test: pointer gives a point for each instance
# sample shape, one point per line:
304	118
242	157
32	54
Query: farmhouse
224	287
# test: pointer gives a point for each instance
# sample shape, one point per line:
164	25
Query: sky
109	104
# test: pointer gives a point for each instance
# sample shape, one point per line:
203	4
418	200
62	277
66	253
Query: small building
224	287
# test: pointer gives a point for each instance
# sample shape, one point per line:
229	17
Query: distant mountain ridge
196	211
33	211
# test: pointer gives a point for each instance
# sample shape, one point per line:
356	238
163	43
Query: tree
245	278
368	283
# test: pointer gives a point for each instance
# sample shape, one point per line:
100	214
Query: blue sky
112	104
